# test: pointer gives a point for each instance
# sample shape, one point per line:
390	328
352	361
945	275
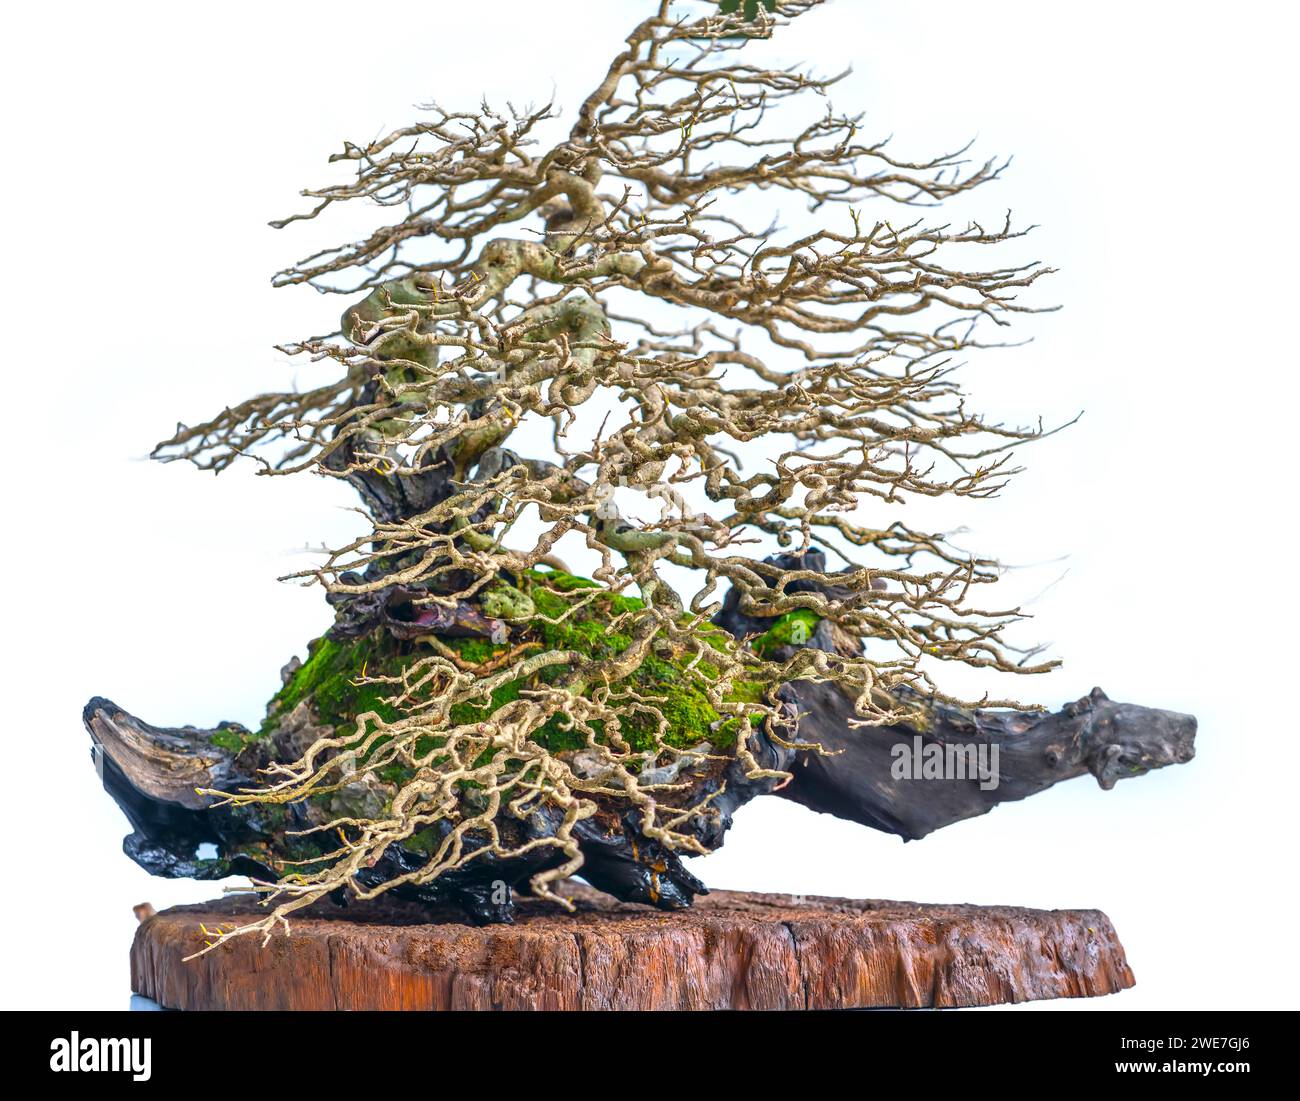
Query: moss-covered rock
337	677
334	678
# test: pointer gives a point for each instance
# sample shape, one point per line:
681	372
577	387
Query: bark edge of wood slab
732	950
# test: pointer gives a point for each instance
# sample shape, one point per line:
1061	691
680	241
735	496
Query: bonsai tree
737	417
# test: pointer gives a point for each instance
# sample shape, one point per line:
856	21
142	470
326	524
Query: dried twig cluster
835	347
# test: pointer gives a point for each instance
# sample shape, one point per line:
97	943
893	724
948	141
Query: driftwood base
732	950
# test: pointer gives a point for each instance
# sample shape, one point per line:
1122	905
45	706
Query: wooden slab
733	950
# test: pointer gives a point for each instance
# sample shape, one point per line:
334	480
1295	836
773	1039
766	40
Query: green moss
425	841
331	678
793	628
332	675
675	686
396	774
747	691
685	708
475	650
561	581
558	734
588	630
473	713
230	738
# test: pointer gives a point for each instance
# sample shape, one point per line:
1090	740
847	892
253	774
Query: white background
147	145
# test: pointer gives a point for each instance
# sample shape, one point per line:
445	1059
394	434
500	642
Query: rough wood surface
732	950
